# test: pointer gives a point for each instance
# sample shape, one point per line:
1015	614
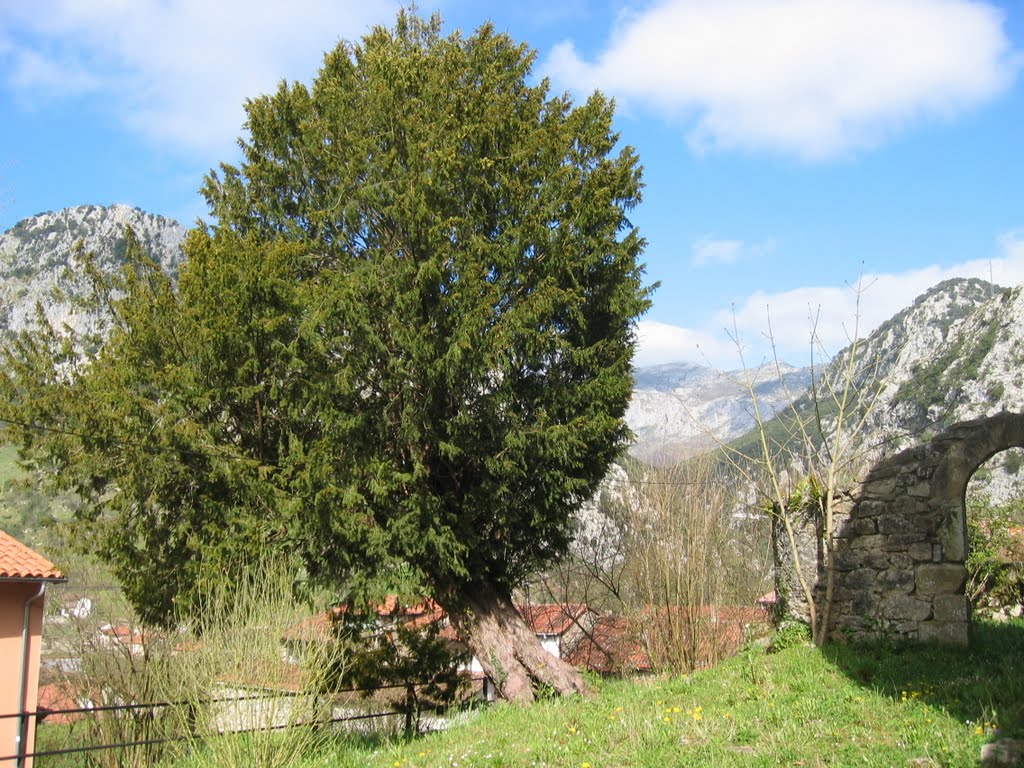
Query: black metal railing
405	706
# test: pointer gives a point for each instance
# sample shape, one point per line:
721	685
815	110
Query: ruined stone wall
901	540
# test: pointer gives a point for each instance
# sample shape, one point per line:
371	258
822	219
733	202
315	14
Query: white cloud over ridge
178	70
811	78
787	316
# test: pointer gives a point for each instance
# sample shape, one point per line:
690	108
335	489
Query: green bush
789	635
995	560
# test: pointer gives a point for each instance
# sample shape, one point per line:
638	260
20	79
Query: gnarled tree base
508	650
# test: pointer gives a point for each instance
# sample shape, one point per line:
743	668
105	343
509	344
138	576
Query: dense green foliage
418	670
402	350
995	559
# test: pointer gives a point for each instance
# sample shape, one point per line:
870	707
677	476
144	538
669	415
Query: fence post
412	710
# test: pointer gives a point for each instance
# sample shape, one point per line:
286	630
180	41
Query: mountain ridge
955	352
37	259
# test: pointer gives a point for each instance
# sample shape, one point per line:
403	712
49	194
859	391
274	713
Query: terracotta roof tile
612	646
551	618
19	562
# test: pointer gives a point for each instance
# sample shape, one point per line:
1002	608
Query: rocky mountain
36	258
962	357
956	353
681	408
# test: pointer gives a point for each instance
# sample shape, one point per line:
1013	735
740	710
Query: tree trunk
508	650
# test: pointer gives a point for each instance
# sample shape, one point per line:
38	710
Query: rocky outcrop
679	409
37	263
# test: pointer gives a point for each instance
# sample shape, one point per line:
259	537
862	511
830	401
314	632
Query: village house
560	627
574	632
24	576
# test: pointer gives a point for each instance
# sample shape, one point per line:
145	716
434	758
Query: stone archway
901	539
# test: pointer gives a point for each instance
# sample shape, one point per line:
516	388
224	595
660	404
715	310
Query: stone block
871	509
905	629
920	552
951	608
877	560
896	580
955	633
860	579
898	542
865	604
953	539
941	579
1003	752
847	560
905	608
867	542
862	526
921	490
881	488
901	561
896	524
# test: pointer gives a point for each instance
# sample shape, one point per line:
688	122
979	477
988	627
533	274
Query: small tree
420	668
663	549
803	458
690	558
402	350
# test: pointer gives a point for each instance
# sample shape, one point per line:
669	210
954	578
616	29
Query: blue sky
792	148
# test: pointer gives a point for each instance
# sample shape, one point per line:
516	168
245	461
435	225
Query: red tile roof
551	618
612	646
19	562
56	698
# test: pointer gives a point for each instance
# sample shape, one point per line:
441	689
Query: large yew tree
402	348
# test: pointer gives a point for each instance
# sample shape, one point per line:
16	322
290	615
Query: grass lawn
879	705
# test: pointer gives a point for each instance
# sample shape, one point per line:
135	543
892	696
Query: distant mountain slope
956	353
976	370
680	408
36	253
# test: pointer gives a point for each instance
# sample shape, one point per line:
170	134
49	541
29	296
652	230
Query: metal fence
237	711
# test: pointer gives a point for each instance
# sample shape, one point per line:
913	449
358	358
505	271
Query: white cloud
709	251
814	78
177	71
665	343
785	318
31	70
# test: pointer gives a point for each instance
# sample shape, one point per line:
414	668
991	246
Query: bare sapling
806	455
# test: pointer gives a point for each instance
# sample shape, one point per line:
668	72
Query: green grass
855	705
878	705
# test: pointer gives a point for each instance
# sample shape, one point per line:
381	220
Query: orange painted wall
12	611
